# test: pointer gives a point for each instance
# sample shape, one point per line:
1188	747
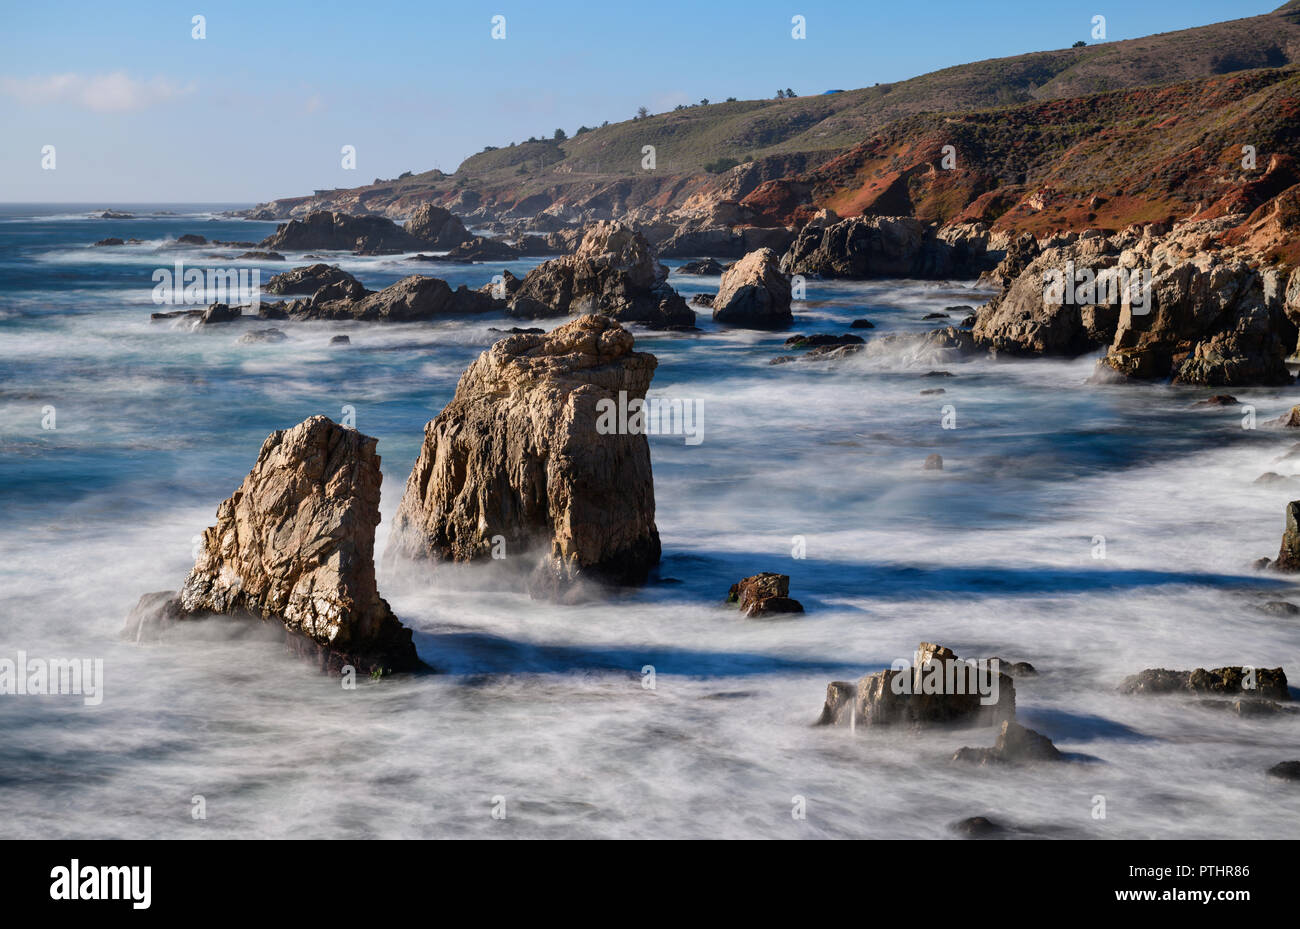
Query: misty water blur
546	706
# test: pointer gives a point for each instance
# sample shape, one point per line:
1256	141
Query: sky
139	110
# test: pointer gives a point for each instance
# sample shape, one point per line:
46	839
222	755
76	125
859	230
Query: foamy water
545	706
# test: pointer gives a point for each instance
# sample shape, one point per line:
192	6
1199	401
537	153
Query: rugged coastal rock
1014	745
1181	304
1288	558
308	279
365	235
1269	683
614	273
295	545
412	299
887	246
526	456
884	699
436	227
754	293
763	595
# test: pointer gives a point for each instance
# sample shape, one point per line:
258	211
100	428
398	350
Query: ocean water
543	711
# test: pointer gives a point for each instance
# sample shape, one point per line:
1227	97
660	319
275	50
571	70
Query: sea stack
538	456
295	545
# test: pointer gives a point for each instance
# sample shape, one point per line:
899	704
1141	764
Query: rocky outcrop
613	273
723	240
528	457
754	293
1177	304
1288	558
364	235
887	246
412	299
763	595
295	545
436	227
1014	745
1265	683
308	279
938	689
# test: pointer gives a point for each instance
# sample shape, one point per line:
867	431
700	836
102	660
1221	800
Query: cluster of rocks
517	464
614	272
429	226
1211	315
889	246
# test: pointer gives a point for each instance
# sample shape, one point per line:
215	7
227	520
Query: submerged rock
262	335
938	689
754	293
1285	771
614	273
816	341
527	453
295	545
1268	683
934	462
764	594
1014	745
978	827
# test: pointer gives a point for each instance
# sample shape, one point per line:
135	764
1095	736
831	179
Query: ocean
1093	531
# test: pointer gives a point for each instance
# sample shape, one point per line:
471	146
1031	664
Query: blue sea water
155	423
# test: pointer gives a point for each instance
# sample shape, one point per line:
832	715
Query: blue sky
138	110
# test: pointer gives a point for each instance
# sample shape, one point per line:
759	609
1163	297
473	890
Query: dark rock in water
1269	683
260	256
978	827
191	239
528	450
937	374
194	315
968	322
934	462
1271	477
813	341
960	308
340	340
1260	564
109	241
705	300
1285	771
764	594
1218	400
835	351
1280	608
1288	559
295	545
322	229
436	227
754	294
262	335
862	324
517	330
1015	745
220	313
930	391
708	266
614	273
885	246
939	689
480	249
935	316
114	214
412	299
783	359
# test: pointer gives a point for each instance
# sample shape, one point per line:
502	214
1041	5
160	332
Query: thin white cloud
117	92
